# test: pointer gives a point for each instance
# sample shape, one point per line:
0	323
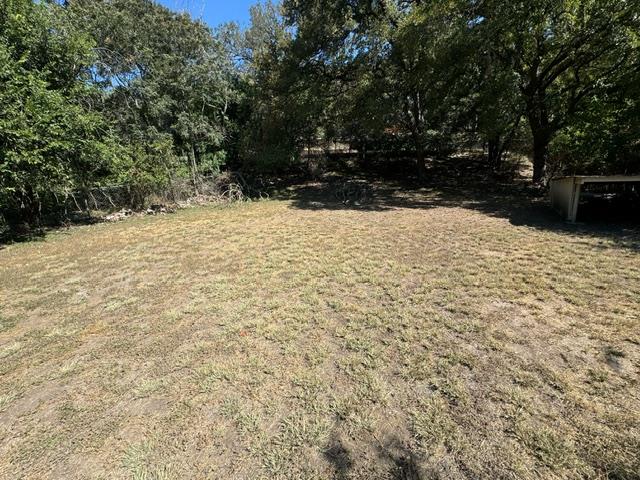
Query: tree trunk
194	169
420	161
362	154
542	132
540	150
495	153
415	116
23	212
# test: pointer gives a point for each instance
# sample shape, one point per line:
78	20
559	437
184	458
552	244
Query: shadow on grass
340	458
462	182
8	237
36	234
394	455
515	201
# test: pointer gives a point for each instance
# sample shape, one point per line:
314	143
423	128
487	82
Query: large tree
496	108
49	141
164	77
428	73
399	66
270	120
564	53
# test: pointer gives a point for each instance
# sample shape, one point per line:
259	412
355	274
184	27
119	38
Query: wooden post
575	201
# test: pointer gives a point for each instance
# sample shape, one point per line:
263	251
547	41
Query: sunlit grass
266	340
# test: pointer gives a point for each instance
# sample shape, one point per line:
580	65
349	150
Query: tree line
127	92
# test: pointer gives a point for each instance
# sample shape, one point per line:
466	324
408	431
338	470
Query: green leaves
564	54
48	141
127	91
161	73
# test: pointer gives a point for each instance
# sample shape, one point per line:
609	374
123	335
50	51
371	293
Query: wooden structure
565	191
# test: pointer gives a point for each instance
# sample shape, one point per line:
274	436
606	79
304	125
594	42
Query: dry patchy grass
271	341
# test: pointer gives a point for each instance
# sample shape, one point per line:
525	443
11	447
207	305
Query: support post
575	201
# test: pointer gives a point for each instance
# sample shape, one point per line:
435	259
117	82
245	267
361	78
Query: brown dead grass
268	341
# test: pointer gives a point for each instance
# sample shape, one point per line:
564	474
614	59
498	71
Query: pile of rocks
127	212
159	210
117	216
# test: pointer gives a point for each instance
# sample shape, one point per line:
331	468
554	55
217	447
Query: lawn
421	336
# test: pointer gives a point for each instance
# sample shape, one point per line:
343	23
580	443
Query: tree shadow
37	234
517	201
394	456
403	459
339	457
9	237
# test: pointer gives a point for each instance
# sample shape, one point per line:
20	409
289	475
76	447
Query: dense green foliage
49	140
166	84
494	62
565	55
129	93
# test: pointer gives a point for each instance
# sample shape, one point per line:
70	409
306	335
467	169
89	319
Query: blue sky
214	12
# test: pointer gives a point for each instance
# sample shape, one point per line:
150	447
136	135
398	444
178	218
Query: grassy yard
425	336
